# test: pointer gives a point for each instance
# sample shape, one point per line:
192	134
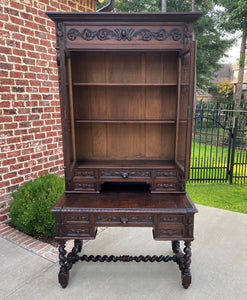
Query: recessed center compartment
138	187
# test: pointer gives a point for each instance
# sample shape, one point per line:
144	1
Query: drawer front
124	220
171	233
75	217
125	174
171	219
163	187
73	230
124	36
165	174
85	174
83	186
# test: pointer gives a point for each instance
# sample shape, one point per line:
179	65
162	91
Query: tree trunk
193	5
163	5
241	71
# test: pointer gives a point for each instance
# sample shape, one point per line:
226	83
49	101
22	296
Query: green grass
196	150
216	153
220	195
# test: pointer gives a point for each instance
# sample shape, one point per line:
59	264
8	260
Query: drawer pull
124	220
124	175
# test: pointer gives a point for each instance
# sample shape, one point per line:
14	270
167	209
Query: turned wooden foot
63	275
186	274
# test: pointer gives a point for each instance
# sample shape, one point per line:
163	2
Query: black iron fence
219	144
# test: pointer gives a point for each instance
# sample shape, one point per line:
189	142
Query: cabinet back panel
88	67
116	102
125	141
124	67
161	67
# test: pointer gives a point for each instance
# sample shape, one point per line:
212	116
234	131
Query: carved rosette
126	34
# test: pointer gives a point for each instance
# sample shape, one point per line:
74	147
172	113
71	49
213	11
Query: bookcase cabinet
127	87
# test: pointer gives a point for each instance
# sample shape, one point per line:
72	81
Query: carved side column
63	275
186	274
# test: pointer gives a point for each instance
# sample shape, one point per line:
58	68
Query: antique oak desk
126	85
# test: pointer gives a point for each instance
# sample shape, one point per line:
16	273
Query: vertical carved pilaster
63	275
188	33
186	274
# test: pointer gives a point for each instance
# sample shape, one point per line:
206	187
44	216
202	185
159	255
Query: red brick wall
30	126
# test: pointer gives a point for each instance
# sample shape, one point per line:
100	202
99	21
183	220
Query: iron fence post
234	134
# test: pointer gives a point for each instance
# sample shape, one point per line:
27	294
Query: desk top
135	202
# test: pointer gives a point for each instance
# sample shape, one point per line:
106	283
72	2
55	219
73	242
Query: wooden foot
63	275
186	274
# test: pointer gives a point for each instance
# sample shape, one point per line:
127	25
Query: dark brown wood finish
126	84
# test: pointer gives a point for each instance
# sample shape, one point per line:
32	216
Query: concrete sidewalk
219	266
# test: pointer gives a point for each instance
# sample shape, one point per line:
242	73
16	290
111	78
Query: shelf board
173	121
122	84
152	164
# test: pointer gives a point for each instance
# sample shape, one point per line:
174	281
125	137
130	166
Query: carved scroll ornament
127	34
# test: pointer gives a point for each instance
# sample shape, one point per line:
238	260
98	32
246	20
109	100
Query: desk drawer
165	174
124	220
171	233
164	186
124	175
74	230
76	218
170	219
84	186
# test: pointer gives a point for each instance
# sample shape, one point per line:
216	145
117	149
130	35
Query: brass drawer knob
124	174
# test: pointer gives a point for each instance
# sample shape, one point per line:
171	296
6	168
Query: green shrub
30	209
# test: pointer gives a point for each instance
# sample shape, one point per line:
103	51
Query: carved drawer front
84	186
84	174
76	218
123	174
163	187
171	233
165	174
124	219
74	230
173	219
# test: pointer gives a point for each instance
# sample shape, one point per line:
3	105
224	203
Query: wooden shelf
122	84
162	164
127	121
